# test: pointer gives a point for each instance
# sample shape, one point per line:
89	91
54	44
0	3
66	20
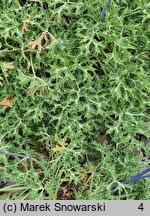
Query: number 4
141	207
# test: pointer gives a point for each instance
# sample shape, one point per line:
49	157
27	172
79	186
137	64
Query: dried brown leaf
38	43
10	65
25	26
31	91
7	101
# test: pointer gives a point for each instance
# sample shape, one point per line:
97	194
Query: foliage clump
68	79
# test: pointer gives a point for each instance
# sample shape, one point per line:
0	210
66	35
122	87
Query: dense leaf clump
74	95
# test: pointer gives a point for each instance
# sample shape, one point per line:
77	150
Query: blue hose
101	16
